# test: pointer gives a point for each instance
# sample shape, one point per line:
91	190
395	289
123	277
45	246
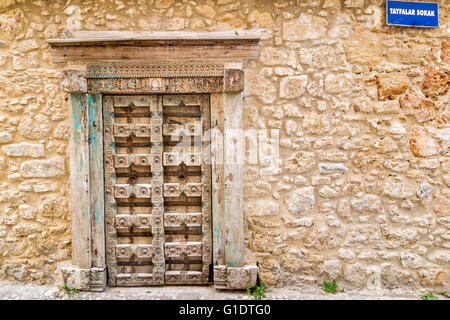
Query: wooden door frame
224	81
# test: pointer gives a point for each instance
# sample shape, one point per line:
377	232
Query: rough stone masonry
362	191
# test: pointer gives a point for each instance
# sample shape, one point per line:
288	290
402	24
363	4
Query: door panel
157	189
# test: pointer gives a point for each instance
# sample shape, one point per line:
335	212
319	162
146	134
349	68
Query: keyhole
182	177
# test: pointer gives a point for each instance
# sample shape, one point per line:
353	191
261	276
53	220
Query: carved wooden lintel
234	277
155	85
233	80
154	69
93	279
153	77
73	81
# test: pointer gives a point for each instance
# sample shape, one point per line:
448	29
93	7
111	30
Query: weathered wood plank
159	266
110	178
217	160
113	36
206	186
61	54
79	181
233	187
96	183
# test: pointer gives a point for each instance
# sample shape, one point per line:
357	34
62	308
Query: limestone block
435	82
175	23
291	127
331	155
364	48
205	11
412	260
300	200
62	131
319	180
11	219
261	207
76	278
51	31
321	57
356	274
386	107
442	206
27	45
346	254
27	212
163	4
393	276
395	187
306	27
390	84
26	229
424	143
409	53
338	83
12	23
38	186
196	23
261	19
433	276
3	163
332	4
354	3
300	162
332	268
74	20
293	86
342	27
24	149
301	222
332	168
273	56
419	106
234	277
292	111
351	143
396	165
19	63
43	168
445	52
316	123
329	192
280	71
260	86
5	137
440	255
150	23
369	202
36	129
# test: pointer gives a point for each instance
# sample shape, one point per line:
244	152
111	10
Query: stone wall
362	191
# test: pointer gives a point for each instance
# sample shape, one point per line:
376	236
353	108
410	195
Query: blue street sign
412	14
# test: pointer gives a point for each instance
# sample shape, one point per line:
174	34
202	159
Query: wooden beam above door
124	45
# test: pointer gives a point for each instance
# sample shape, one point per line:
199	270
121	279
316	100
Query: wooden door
157	189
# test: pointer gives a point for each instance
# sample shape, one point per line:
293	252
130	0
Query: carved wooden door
157	189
